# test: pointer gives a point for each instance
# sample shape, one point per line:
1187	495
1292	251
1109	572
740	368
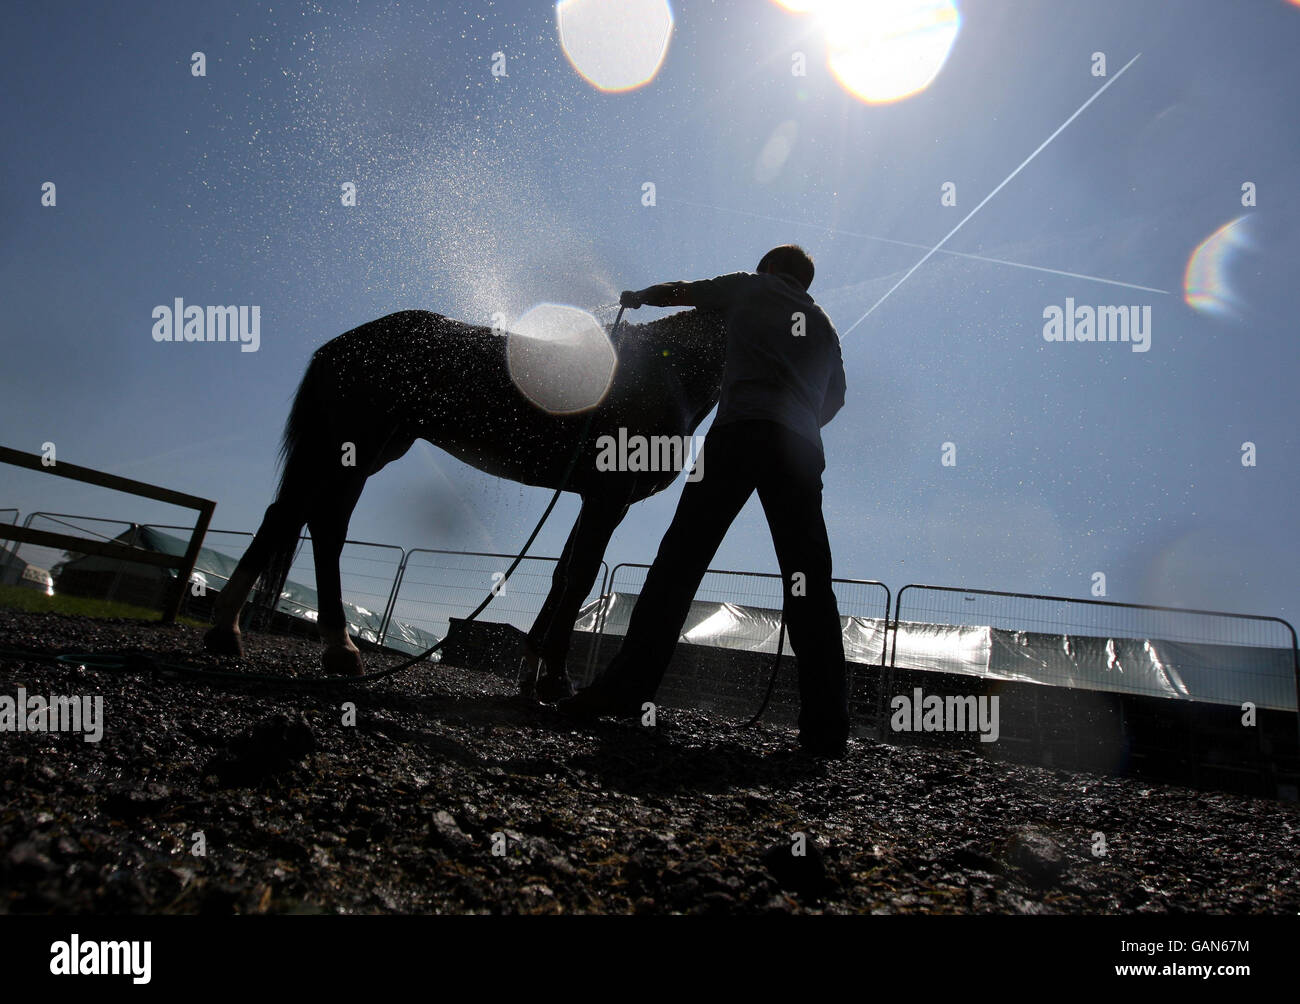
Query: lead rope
771	683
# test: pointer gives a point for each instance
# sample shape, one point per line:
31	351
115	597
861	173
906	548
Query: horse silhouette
419	375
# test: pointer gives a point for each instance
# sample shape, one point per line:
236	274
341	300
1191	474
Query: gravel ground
449	795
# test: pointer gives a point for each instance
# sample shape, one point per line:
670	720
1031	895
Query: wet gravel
449	795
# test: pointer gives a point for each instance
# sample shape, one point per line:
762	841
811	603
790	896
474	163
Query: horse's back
436	378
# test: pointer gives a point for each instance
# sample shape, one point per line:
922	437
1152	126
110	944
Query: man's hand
630	298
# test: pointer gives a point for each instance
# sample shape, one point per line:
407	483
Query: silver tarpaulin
1224	674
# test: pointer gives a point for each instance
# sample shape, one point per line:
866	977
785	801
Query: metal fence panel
437	585
861	600
407	599
93	528
368	573
183	563
1097	645
734	677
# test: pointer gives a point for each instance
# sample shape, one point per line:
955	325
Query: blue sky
478	194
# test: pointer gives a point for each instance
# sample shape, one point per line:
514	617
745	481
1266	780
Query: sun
884	50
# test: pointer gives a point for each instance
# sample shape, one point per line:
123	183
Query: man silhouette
783	380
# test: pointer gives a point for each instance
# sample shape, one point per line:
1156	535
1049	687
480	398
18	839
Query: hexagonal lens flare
615	45
560	358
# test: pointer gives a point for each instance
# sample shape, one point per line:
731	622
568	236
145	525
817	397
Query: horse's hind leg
278	533
329	527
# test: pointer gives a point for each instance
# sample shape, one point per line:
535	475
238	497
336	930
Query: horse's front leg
544	672
532	667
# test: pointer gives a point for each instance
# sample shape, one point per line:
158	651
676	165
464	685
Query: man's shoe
598	700
825	747
554	687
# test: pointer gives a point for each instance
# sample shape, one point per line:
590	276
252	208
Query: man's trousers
785	469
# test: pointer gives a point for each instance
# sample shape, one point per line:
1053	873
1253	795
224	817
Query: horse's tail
296	443
295	488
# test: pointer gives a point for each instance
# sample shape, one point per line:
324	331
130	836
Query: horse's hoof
554	688
342	662
224	641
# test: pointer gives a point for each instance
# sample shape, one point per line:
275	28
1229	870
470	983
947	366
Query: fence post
186	569
887	677
604	580
392	599
598	627
602	615
1295	667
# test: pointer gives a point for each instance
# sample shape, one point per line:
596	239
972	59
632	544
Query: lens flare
1205	284
560	358
776	151
886	51
615	45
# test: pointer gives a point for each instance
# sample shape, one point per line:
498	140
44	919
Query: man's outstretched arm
665	294
717	293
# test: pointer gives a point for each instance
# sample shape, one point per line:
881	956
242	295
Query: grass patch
36	602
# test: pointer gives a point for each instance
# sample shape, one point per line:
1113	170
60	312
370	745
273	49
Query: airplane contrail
1023	164
914	244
